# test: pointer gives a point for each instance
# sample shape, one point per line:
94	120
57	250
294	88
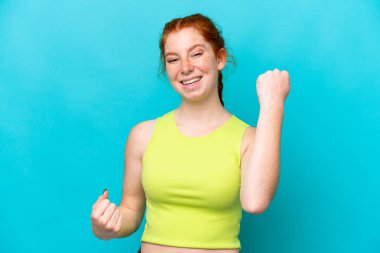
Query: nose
186	67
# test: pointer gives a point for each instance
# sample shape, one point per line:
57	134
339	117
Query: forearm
262	173
131	221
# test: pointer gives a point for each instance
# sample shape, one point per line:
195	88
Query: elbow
255	208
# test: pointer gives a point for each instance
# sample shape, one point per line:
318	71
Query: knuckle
92	217
115	229
103	221
109	226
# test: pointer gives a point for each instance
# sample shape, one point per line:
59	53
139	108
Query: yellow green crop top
192	186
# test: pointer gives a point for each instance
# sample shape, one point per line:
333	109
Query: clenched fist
273	87
105	218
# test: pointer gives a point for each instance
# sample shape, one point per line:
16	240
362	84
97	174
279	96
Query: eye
172	60
198	54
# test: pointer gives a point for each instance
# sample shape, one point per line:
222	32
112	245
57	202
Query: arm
108	220
132	205
261	161
260	165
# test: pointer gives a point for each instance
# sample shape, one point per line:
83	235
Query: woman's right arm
127	217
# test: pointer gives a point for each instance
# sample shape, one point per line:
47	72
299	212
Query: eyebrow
192	47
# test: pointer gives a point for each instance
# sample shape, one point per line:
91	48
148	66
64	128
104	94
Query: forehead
183	39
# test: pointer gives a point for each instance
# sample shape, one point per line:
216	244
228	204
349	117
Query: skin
199	113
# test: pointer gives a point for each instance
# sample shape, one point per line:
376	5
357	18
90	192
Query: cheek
205	64
202	65
172	72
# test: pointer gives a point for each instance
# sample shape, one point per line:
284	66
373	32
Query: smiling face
192	65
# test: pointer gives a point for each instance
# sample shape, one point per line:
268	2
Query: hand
105	218
273	87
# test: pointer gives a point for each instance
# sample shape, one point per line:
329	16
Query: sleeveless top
192	186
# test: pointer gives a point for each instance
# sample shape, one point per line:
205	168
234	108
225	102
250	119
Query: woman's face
191	64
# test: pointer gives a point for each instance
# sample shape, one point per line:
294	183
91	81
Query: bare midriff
156	248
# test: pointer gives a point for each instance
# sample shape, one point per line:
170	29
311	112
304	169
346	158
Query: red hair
206	27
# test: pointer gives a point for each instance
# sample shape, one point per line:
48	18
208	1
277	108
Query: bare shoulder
141	134
133	193
248	139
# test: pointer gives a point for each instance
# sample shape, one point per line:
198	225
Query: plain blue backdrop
76	76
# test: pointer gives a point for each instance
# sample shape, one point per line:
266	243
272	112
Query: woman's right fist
105	218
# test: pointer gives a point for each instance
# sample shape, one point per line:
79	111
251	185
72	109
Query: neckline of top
219	128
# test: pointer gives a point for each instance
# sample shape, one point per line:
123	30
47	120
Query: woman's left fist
273	87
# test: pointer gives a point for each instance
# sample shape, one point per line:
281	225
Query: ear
221	58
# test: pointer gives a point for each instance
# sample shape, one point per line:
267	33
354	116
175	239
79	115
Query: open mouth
192	82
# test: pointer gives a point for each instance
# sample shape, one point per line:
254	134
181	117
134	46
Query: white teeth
192	80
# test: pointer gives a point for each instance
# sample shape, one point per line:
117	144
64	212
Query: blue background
76	76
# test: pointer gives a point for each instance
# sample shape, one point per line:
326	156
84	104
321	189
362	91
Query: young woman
197	166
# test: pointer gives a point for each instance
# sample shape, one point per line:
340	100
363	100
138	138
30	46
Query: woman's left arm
260	166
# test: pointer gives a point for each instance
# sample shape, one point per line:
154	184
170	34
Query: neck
203	111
